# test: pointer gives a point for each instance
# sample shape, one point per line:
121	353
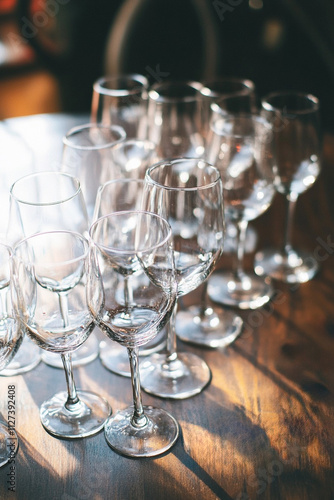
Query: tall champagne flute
175	119
121	100
114	196
11	335
188	193
128	246
241	148
50	279
295	119
39	202
87	156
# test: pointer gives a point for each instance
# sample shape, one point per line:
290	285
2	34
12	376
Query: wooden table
263	428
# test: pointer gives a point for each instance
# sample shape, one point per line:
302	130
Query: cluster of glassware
147	196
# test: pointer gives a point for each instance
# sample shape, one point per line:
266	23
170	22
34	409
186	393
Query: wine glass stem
72	398
171	338
240	243
290	211
204	299
139	418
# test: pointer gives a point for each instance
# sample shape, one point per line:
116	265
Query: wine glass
11	335
241	149
295	119
114	196
87	156
127	246
175	119
232	94
188	193
39	202
50	279
121	100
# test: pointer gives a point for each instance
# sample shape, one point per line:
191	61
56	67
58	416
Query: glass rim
192	85
123	213
34	236
45	173
246	86
95	147
307	97
173	161
141	80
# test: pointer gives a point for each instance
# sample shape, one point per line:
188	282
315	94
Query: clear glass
121	100
241	148
133	249
131	158
87	156
188	193
50	279
113	196
11	335
39	202
296	130
175	119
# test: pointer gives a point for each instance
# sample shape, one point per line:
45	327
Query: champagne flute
50	279
114	196
295	119
121	100
127	246
188	193
39	202
175	119
241	148
11	335
87	156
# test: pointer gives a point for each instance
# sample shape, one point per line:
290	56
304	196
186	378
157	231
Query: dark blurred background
51	51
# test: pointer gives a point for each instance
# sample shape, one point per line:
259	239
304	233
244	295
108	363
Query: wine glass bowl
175	119
123	246
295	121
50	277
87	154
121	100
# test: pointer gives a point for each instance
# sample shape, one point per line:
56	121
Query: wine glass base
8	444
114	357
297	267
182	378
80	357
155	438
216	328
87	419
26	359
250	293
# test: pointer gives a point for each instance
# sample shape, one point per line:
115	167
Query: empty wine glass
39	202
121	100
295	119
241	149
188	193
87	156
175	119
11	335
232	94
114	196
50	279
128	246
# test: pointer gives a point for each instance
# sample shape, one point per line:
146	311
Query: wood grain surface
262	429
